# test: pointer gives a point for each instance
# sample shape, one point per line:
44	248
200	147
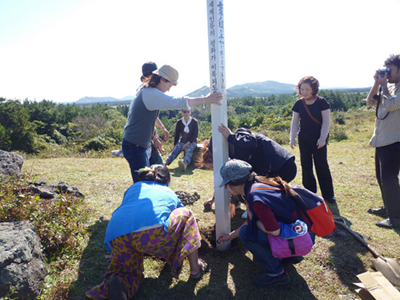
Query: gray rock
49	191
10	163
21	260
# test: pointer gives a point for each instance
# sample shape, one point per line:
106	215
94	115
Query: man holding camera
386	140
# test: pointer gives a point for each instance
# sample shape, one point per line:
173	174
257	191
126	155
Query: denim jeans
261	250
155	158
136	157
387	166
178	149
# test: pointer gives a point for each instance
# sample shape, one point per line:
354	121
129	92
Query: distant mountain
265	89
203	91
127	98
260	89
254	89
86	100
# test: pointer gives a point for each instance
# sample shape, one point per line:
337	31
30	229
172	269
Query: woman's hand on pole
214	98
225	131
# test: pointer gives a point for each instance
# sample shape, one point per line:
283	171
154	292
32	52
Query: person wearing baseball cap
268	203
144	111
147	69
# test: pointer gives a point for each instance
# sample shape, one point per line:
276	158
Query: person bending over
268	202
150	220
267	157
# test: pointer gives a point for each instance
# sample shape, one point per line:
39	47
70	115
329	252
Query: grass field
328	272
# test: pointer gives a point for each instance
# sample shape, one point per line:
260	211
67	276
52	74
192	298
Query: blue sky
63	50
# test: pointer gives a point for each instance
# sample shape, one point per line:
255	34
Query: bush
281	137
97	143
281	125
339	118
59	222
337	133
16	132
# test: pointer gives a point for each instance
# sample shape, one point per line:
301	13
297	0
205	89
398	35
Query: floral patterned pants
173	245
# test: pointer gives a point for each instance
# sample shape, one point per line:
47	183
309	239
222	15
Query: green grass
328	272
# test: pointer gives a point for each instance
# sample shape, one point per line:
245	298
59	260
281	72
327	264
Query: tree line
34	127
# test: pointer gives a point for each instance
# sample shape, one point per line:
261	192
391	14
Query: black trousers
309	154
387	167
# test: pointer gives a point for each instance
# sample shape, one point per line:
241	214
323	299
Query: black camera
382	72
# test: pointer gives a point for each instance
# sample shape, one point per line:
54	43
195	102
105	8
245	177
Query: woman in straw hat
144	111
156	144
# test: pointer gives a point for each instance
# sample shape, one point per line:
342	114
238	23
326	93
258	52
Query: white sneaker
244	215
182	166
117	153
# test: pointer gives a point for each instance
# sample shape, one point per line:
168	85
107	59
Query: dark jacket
265	155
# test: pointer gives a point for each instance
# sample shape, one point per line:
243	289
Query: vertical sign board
216	48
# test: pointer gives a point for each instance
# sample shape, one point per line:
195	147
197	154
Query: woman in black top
313	113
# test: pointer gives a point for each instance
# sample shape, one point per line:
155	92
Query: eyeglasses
186	111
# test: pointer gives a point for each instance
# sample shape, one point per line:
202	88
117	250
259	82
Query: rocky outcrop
21	261
49	191
10	163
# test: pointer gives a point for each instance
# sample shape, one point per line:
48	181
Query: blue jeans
178	149
261	251
136	157
155	158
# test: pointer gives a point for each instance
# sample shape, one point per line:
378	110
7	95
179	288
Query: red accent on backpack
315	208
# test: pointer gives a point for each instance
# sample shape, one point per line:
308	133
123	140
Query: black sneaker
266	281
381	211
331	200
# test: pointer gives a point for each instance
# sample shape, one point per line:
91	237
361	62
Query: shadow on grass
93	264
176	172
344	256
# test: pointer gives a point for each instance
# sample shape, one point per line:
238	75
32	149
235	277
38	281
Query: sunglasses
186	111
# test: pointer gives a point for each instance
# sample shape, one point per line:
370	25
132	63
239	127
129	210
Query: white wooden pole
216	48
